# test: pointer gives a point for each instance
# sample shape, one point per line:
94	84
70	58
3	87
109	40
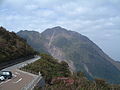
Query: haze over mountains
80	52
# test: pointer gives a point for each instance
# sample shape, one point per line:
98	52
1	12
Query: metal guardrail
34	82
31	85
13	62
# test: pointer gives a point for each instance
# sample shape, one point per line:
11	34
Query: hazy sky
97	19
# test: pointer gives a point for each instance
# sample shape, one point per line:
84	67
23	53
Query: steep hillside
49	67
34	39
80	52
58	77
12	46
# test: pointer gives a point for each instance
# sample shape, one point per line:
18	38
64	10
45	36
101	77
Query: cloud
31	7
79	13
97	19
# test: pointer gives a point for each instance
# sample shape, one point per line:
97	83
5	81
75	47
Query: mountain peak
79	51
56	29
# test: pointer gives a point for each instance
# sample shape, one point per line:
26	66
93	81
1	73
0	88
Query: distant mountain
34	39
13	46
79	51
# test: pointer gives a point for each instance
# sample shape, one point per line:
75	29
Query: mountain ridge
79	51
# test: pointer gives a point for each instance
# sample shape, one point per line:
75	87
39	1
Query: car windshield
6	73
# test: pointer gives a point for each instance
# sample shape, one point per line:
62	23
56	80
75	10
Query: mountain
79	51
34	39
13	46
57	76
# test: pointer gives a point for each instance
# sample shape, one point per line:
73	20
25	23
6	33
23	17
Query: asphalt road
20	78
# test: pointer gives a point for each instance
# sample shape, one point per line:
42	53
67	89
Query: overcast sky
97	19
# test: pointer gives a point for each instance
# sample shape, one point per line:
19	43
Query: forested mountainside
79	51
57	76
13	46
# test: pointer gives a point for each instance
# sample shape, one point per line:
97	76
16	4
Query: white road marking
8	79
5	81
17	66
14	75
17	73
18	80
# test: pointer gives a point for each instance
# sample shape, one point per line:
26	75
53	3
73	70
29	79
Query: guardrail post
39	74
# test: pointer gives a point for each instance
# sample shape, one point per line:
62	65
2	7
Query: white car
2	78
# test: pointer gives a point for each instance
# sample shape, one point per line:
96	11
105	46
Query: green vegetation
49	68
58	76
86	56
81	83
12	46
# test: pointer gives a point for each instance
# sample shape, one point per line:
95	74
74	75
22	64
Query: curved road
20	78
